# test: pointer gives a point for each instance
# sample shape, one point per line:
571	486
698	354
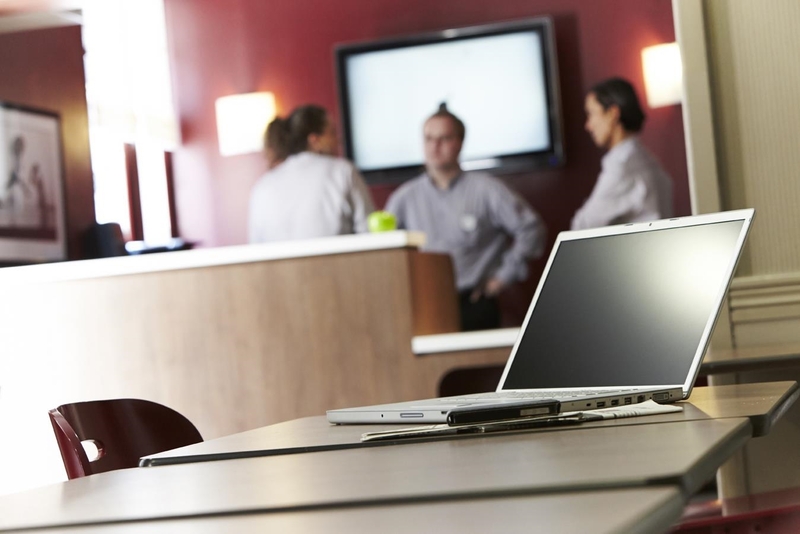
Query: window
129	95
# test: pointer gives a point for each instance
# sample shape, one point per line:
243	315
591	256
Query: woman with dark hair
308	191
632	186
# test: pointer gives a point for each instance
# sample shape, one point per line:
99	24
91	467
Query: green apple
381	221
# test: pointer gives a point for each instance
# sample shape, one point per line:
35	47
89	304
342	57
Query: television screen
501	80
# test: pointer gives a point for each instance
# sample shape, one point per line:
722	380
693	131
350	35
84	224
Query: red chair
123	430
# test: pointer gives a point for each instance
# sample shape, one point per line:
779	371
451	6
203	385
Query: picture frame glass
32	221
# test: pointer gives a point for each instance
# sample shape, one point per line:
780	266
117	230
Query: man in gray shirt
472	216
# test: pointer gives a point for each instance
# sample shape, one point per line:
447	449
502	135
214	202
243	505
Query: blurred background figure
308	191
632	186
472	216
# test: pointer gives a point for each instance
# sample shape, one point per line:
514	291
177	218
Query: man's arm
395	206
511	213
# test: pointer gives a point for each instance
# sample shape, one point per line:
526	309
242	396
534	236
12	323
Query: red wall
44	69
221	47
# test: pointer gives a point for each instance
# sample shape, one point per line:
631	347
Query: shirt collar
450	187
620	149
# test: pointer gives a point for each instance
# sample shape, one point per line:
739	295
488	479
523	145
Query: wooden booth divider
233	338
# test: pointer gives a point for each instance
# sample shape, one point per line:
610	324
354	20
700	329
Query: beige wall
752	73
742	114
755	69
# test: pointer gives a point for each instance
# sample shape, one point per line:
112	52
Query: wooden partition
233	338
434	304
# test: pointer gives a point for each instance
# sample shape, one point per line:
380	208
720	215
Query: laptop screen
625	310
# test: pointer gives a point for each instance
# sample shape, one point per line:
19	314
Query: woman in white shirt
632	186
310	193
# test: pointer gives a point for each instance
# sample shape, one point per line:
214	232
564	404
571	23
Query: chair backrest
123	431
104	241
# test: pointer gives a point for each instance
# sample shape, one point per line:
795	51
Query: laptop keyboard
532	395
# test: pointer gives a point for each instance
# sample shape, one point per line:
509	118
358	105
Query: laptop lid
628	306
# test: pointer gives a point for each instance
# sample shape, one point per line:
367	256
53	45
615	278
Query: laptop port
615	402
600	404
628	400
640	398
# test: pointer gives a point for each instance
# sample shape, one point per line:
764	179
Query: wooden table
479	480
763	404
772	463
682	455
764	465
751	358
616	511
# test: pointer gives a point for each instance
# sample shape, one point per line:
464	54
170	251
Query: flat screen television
500	79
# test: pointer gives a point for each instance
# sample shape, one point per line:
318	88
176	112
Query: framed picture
32	220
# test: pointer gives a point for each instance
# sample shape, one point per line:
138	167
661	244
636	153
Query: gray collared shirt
472	221
632	187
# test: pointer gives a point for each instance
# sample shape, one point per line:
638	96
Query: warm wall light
663	74
241	120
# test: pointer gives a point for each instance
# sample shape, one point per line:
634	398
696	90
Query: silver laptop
622	314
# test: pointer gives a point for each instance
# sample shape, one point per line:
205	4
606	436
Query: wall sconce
241	121
663	74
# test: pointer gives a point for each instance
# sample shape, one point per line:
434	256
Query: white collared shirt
308	195
632	187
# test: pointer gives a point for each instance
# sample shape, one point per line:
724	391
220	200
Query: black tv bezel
510	163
